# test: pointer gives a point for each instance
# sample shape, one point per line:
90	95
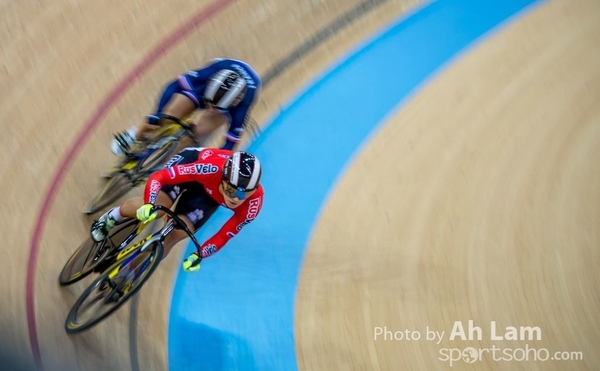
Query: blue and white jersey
194	84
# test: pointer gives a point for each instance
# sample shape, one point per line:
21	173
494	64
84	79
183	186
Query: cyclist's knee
180	106
130	206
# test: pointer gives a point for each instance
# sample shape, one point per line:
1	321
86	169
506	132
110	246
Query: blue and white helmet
243	171
225	89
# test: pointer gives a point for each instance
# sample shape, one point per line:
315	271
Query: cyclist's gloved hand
192	263
146	213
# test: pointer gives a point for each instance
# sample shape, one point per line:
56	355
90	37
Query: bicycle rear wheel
122	182
91	254
115	188
165	148
103	297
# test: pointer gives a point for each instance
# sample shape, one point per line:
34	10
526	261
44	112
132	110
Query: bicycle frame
127	255
130	253
177	129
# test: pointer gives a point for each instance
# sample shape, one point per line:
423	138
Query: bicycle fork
137	270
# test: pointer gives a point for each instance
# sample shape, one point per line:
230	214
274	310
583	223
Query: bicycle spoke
89	310
82	262
99	296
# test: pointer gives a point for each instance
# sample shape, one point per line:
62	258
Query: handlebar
180	225
188	129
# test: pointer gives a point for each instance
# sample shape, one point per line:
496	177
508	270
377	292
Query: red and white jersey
207	170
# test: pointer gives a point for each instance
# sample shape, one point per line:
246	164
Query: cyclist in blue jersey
225	88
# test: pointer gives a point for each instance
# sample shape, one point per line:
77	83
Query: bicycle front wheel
83	261
105	295
91	255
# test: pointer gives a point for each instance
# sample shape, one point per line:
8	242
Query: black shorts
194	202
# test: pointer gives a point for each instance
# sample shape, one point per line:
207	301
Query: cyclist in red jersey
205	178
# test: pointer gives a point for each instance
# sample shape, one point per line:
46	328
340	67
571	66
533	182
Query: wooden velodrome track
491	212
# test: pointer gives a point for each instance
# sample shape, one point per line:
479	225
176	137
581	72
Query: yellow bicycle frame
164	131
127	251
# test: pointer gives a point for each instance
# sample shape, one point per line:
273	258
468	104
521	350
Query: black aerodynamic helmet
243	171
225	89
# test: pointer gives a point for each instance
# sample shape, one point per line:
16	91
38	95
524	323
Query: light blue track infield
237	313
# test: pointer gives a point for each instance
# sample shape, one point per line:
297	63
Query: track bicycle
147	156
124	267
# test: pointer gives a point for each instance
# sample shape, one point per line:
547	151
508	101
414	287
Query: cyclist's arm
236	127
237	118
232	227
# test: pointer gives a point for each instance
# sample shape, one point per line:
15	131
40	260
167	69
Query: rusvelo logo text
197	169
253	207
155	187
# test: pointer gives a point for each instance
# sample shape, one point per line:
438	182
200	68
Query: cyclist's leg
173	101
128	210
177	105
204	123
111	218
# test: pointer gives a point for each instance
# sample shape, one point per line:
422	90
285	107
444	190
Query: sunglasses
233	192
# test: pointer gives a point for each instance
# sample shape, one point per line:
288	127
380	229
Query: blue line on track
237	313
